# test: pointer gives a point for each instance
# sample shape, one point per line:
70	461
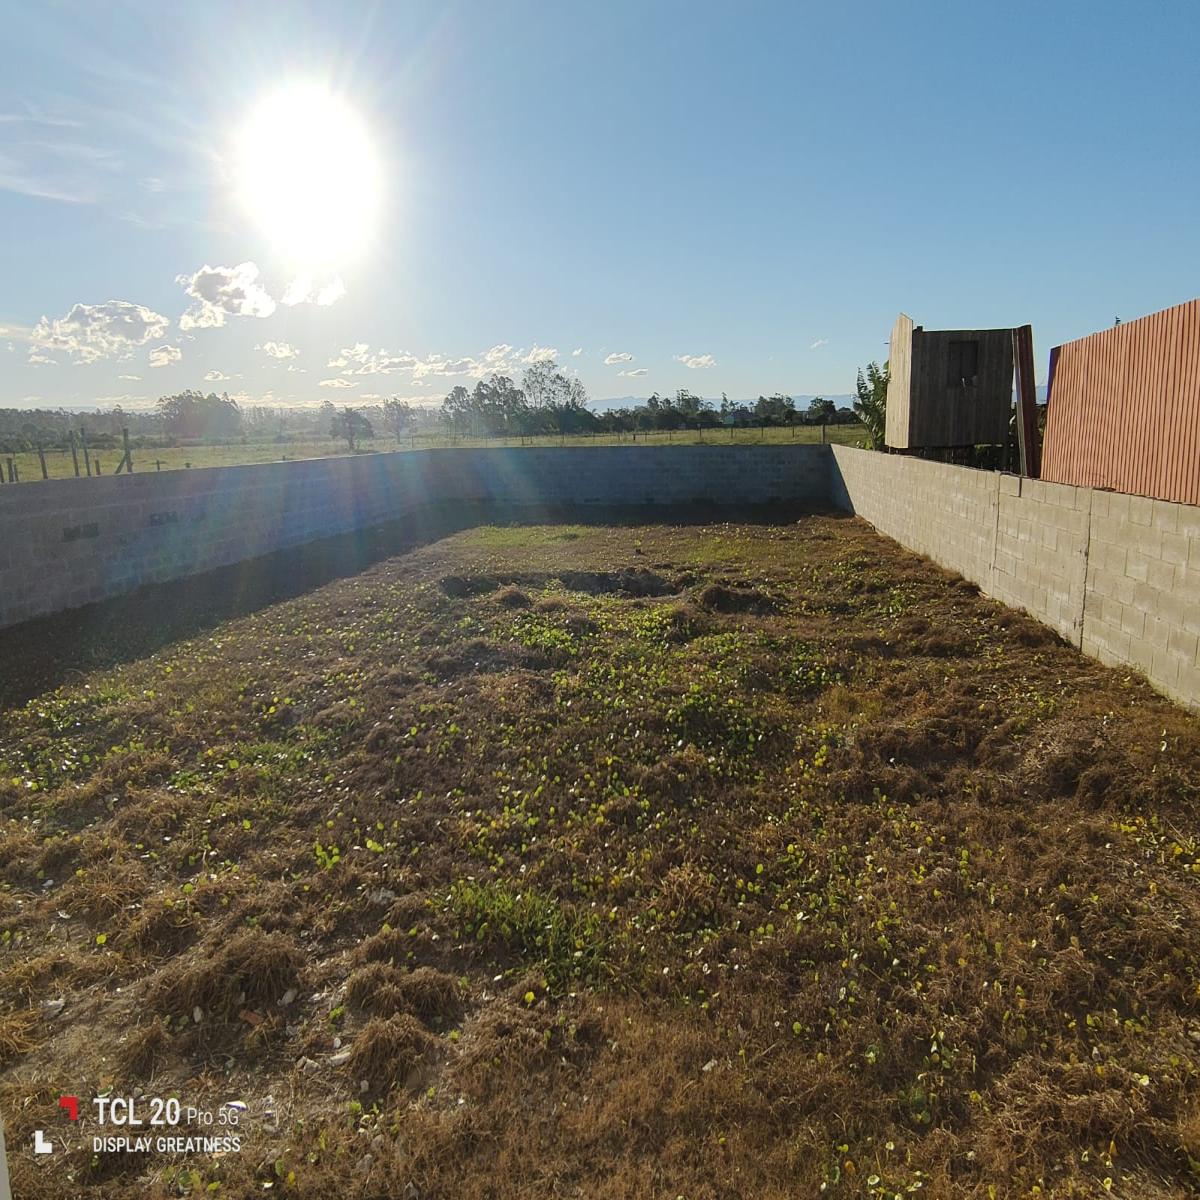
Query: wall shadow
41	654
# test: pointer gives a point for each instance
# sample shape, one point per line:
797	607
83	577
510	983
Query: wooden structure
1123	408
948	387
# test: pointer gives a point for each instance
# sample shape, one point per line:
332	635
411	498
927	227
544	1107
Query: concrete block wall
937	510
1116	575
1143	590
1039	561
69	542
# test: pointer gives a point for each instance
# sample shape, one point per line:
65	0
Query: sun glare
307	173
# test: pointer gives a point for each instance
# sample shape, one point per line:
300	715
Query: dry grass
17	1036
616	862
387	1051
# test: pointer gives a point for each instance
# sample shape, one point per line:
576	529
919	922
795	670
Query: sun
306	171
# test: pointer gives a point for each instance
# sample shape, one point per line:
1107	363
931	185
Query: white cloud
697	362
635	372
337	383
278	349
89	332
19	333
304	289
577	352
164	356
613	359
214	377
222	292
437	364
819	343
38	359
131	378
500	359
358	360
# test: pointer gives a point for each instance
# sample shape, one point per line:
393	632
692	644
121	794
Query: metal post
74	453
87	462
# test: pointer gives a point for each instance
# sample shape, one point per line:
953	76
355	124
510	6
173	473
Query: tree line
547	401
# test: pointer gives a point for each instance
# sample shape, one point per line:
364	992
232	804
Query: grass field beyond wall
60	465
610	861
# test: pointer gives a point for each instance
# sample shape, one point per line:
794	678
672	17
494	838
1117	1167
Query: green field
60	466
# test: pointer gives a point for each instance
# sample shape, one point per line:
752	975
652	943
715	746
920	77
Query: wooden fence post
127	461
74	452
1027	442
87	459
42	460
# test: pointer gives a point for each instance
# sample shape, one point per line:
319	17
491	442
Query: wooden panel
946	412
899	375
1125	411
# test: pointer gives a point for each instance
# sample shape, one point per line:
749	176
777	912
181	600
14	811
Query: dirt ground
737	860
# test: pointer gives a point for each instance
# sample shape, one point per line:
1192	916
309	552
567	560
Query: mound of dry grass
387	1050
723	598
252	970
511	597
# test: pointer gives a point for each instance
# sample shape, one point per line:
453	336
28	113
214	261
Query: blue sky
739	197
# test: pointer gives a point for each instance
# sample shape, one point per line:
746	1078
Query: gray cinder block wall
1118	576
67	542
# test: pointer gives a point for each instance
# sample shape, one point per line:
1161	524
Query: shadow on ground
41	654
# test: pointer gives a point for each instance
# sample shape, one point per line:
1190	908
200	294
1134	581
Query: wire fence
78	459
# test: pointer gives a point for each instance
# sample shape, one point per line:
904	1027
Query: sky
299	202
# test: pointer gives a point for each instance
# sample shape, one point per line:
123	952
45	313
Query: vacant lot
718	861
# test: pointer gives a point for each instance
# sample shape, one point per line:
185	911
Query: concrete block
1165	516
1141	510
1133	621
1118	506
1163	669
